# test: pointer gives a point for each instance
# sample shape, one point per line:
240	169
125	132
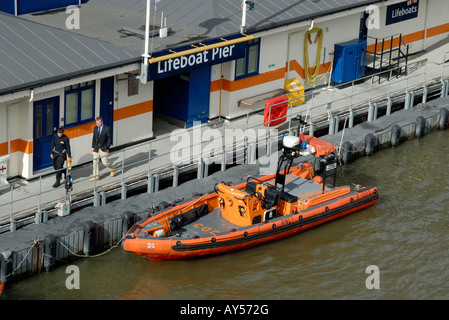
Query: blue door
46	122
107	102
199	96
184	97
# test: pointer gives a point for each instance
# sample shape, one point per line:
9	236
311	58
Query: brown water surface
406	235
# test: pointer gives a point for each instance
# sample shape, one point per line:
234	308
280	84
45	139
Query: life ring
275	111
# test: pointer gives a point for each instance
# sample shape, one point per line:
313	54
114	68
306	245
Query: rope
311	78
86	255
40	243
24	258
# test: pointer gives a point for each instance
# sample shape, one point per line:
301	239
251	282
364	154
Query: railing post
38	216
96	198
156	182
311	129
200	168
150	184
102	198
331	125
44	216
424	94
205	168
370	112
175	175
407	100
149	176
124	191
336	124
389	104
375	108
12	225
351	118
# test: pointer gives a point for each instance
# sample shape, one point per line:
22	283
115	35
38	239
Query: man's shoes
112	173
57	184
93	179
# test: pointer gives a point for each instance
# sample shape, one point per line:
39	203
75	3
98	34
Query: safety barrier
323	112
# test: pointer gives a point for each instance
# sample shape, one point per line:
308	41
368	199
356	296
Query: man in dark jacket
101	141
60	152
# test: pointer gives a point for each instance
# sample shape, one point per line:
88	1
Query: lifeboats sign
204	55
402	11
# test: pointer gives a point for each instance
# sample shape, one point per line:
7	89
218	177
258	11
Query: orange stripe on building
435	31
19	145
231	86
408	38
3	148
80	130
295	66
269	76
134	110
412	37
249	82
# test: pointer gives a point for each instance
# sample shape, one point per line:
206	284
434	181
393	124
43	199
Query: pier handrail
157	166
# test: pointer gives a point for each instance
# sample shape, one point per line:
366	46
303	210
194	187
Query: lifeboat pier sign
402	11
198	55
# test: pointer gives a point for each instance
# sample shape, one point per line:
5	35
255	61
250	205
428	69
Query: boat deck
209	224
299	186
213	223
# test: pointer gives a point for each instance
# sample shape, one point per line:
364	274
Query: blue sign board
185	63
402	11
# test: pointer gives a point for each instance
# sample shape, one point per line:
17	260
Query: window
249	64
79	103
133	86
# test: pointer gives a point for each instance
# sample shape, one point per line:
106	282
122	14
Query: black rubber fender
370	141
129	219
420	126
50	252
6	267
161	206
444	119
90	234
395	135
347	152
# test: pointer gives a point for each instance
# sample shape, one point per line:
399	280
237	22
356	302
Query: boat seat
271	199
287	197
251	187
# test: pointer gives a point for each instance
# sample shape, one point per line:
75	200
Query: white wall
137	127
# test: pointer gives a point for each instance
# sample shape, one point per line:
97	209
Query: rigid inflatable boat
255	212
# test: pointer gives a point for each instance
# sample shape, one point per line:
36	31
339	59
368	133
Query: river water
405	236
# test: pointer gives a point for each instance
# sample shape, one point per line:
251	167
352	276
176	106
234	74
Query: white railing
146	164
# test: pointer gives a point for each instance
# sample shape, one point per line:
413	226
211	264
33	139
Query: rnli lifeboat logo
150	246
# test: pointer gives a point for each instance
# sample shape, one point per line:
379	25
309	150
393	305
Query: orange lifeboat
257	211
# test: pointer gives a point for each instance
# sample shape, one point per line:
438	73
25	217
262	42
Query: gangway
388	53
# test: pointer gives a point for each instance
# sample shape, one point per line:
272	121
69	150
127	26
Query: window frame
133	86
246	74
79	88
